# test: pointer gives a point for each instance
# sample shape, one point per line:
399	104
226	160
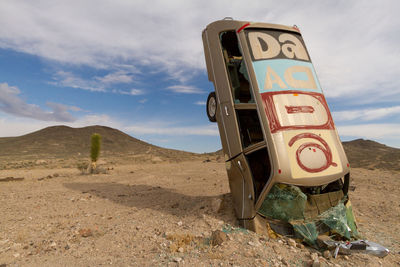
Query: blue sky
139	66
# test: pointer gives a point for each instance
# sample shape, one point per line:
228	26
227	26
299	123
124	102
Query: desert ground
160	213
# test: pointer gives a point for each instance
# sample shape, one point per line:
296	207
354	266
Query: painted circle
313	157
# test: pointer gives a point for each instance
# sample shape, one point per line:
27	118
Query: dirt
166	214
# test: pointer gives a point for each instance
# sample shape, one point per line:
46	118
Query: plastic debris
358	246
284	202
308	216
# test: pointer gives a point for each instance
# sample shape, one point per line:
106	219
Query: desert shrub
82	166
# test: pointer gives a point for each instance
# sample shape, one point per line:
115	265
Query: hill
67	142
372	155
63	142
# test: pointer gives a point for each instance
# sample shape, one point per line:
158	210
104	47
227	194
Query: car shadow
160	199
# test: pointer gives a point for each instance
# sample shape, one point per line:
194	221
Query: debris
179	223
361	246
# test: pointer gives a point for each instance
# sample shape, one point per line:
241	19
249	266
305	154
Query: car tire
212	107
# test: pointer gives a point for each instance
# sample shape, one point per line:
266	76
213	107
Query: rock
216	205
179	223
16	255
218	237
180	249
314	256
316	263
291	242
85	232
327	254
177	259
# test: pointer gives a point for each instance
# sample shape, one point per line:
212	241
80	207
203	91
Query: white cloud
366	114
352	43
167	129
11	103
130	92
371	131
185	89
96	84
68	79
116	77
200	103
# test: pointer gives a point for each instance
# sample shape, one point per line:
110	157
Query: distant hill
67	142
63	141
372	155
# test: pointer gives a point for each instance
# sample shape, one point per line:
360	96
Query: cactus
95	150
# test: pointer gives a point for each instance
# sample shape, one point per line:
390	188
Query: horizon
142	70
218	149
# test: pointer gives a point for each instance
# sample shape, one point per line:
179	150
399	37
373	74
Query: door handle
226	111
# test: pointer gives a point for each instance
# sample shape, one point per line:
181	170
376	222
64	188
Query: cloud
68	79
371	131
200	103
130	92
116	77
97	83
11	103
351	43
163	129
366	114
185	89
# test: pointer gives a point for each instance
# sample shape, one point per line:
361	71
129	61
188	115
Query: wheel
212	107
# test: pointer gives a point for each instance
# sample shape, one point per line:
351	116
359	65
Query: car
276	129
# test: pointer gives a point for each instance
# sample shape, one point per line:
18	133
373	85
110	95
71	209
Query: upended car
288	173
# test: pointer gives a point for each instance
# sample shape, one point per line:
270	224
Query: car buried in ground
285	162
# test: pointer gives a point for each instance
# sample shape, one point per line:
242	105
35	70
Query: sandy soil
165	214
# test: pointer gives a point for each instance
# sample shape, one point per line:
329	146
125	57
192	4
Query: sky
139	66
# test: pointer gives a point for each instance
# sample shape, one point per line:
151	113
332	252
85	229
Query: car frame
274	123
